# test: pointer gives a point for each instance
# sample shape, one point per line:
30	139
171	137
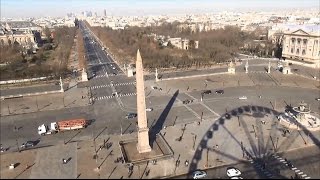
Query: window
293	40
316	42
299	40
305	42
297	52
291	50
303	52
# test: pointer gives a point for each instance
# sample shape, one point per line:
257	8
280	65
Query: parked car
113	68
131	115
243	97
220	91
318	99
27	144
233	172
207	92
187	101
199	174
149	109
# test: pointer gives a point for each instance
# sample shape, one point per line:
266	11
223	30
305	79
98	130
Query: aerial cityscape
160	89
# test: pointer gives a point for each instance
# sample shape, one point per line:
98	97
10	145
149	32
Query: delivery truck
65	125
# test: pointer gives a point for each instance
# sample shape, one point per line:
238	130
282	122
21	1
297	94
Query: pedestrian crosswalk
262	168
119	95
104	75
258	72
295	169
109	85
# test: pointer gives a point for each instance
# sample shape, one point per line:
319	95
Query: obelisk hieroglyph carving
143	130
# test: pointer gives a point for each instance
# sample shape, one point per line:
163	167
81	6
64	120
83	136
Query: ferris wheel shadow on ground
254	153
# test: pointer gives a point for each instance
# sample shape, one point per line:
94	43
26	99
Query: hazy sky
38	8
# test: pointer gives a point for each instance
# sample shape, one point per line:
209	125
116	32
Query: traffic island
160	151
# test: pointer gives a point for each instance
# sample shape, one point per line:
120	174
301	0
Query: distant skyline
60	8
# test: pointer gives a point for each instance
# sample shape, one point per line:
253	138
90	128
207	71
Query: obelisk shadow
159	124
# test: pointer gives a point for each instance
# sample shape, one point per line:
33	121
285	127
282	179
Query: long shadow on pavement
158	126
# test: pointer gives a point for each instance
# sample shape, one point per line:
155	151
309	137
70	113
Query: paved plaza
224	140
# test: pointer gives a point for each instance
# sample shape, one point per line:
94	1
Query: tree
47	33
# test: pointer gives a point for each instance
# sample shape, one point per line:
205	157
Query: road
109	117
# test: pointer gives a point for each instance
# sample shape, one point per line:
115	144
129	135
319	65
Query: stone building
20	34
302	45
183	43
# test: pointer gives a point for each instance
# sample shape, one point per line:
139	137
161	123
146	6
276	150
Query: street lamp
9	110
207	163
37	103
121	126
194	140
273	144
64	105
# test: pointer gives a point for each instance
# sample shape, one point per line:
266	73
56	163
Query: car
207	92
243	97
233	172
27	144
154	87
114	74
131	115
113	68
149	109
318	99
236	177
199	174
220	91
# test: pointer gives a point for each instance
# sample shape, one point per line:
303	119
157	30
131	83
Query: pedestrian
186	163
63	161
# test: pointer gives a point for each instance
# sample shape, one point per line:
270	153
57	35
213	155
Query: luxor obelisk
143	130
